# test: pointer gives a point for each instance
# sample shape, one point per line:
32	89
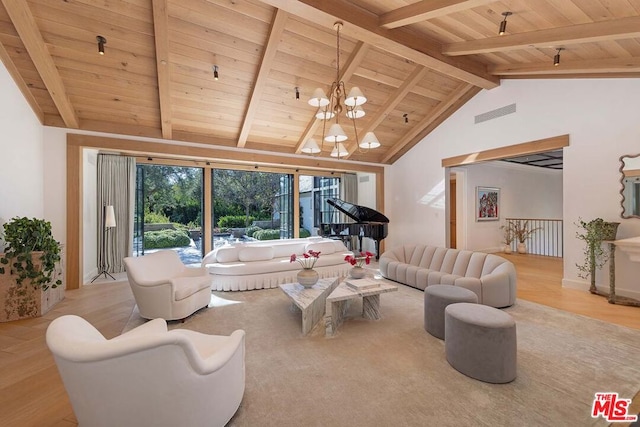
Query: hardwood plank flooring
32	394
540	280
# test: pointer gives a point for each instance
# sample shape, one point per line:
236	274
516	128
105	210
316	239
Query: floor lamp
109	222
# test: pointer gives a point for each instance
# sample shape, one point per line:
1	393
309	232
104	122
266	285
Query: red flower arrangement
360	260
306	260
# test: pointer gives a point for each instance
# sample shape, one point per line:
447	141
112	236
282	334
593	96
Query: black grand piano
368	223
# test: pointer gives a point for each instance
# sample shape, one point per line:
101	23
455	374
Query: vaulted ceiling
416	61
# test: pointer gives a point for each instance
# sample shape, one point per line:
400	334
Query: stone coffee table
339	300
310	301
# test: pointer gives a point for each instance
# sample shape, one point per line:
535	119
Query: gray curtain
116	187
349	193
349	188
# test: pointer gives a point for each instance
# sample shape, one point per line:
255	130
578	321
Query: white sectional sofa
266	264
491	277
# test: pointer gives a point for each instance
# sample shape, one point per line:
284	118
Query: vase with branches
522	231
508	236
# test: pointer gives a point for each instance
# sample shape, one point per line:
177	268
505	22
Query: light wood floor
32	394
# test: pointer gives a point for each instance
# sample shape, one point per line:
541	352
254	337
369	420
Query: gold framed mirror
630	185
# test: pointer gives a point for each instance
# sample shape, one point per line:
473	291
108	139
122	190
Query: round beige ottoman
481	342
436	299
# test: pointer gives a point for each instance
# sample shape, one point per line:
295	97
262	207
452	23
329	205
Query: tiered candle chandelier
332	107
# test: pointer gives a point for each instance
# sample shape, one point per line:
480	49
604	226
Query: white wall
525	192
21	156
601	117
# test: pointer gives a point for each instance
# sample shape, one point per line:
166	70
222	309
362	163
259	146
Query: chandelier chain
330	108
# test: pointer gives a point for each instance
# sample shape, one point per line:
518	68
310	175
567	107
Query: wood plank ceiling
417	62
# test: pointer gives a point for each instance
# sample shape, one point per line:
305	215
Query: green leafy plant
304	232
156	218
193	225
252	229
594	233
235	221
167	238
24	236
267	234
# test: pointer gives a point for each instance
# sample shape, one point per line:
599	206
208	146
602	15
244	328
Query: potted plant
522	232
307	277
358	262
594	233
508	236
29	268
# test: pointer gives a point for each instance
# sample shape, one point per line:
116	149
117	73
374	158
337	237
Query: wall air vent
494	114
364	178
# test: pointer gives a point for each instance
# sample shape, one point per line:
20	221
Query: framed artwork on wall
487	204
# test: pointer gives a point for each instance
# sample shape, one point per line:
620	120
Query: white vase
308	277
507	249
357	272
522	248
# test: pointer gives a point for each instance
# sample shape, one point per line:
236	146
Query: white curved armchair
164	287
148	376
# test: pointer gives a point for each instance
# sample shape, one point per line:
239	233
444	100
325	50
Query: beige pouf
436	299
481	342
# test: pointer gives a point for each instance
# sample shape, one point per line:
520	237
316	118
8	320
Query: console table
632	247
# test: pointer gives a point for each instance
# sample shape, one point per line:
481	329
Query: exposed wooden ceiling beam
228	155
362	25
591	66
623	28
425	10
26	26
271	47
22	85
418	131
347	72
161	31
523	149
417	75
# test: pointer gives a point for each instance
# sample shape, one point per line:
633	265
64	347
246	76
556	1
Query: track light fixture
297	93
101	42
215	72
503	24
406	117
556	58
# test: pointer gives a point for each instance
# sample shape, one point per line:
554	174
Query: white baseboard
90	275
583	285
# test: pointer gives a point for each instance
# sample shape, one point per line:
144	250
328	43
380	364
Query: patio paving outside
189	255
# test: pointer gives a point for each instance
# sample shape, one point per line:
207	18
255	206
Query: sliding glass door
168	210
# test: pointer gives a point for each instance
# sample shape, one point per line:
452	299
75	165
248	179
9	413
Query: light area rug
390	372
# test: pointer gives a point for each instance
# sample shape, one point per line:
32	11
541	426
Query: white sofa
266	264
491	277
